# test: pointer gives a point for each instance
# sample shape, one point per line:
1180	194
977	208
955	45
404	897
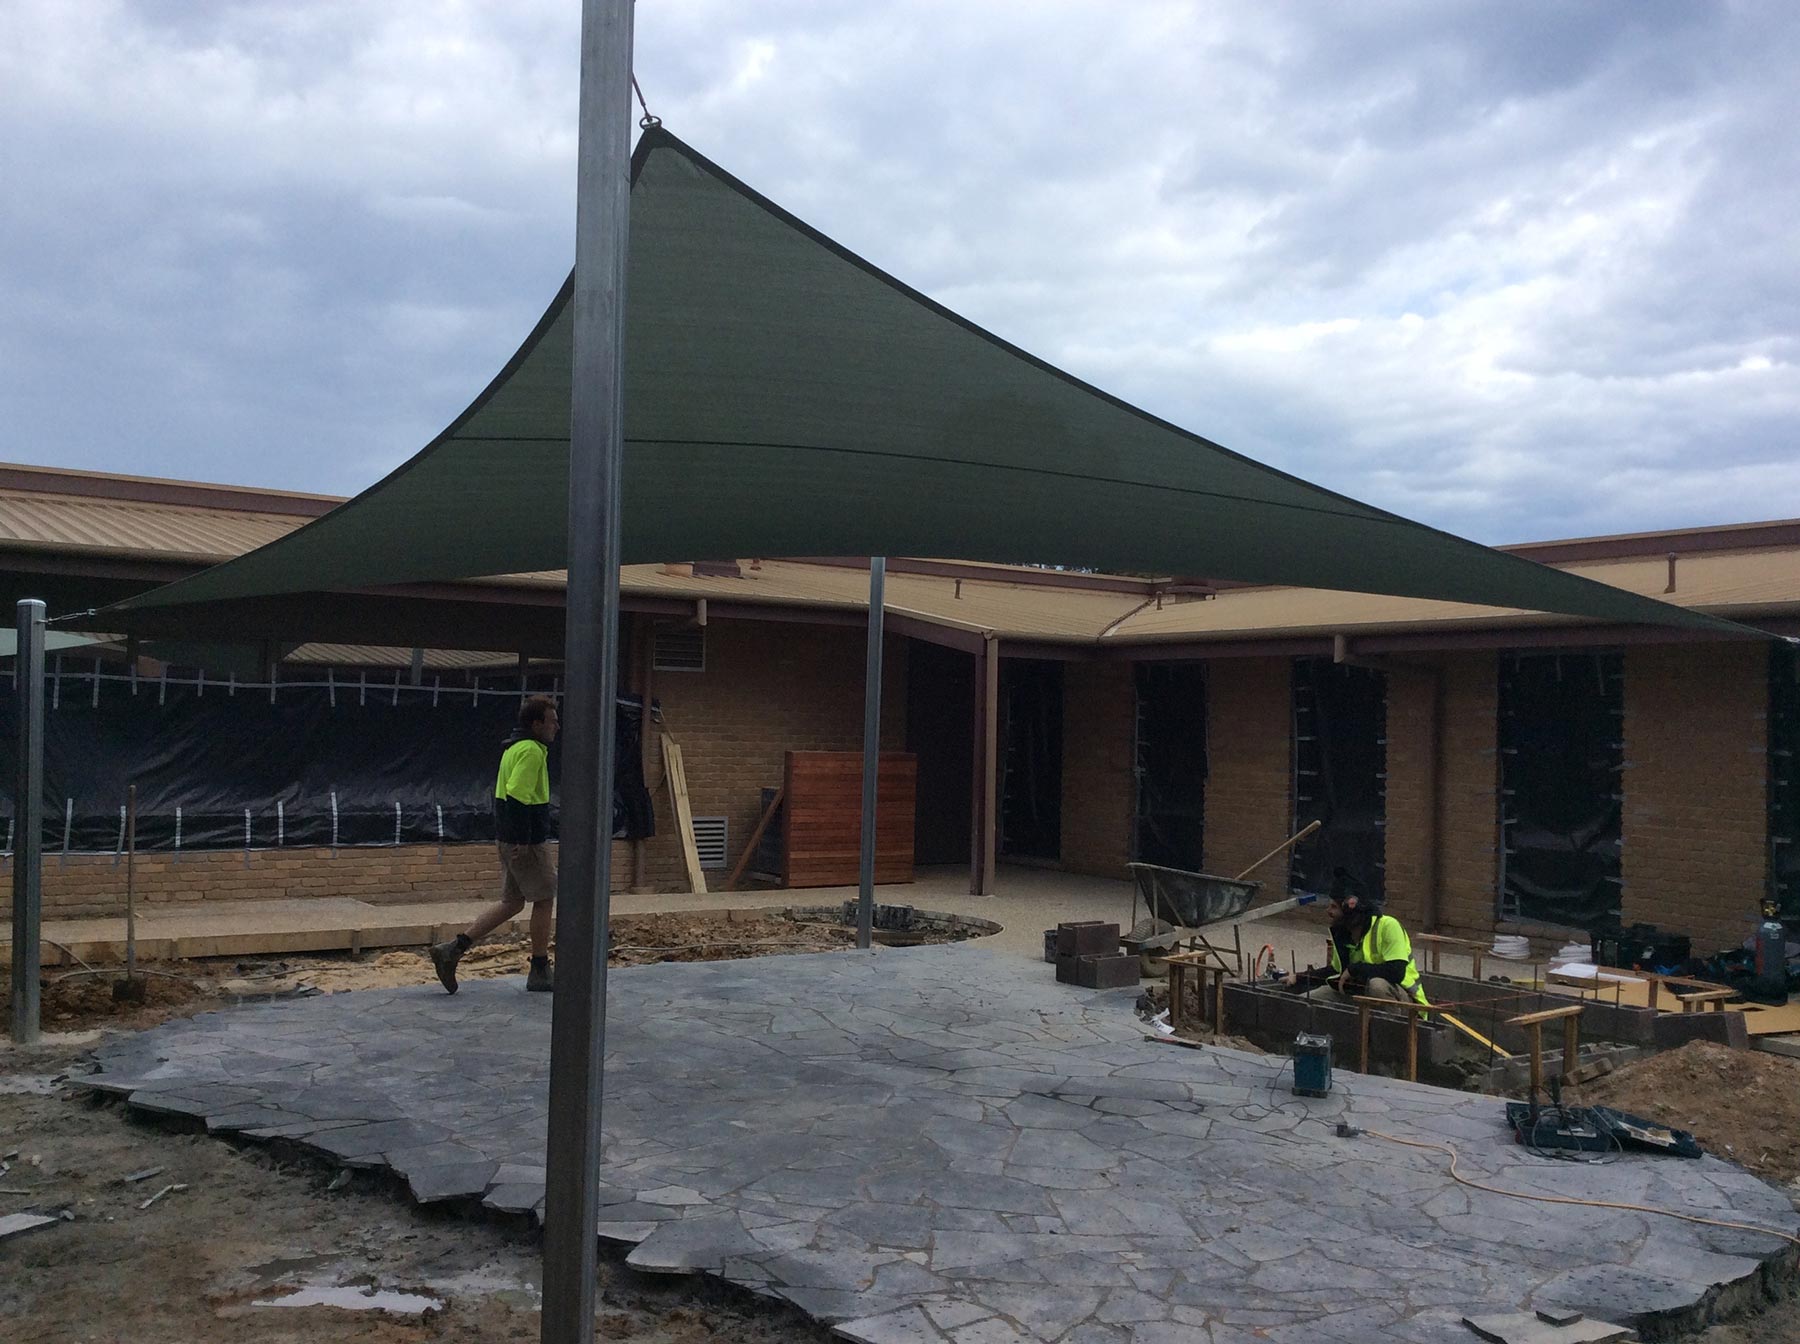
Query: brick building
1483	768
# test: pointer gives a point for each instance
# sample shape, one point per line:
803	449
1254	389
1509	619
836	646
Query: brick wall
90	885
1469	816
1098	784
767	689
1466	827
1696	823
1408	839
1249	775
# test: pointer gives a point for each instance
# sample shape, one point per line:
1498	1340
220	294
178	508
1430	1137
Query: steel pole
28	811
871	771
591	654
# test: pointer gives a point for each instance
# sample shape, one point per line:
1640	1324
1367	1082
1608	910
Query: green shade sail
784	398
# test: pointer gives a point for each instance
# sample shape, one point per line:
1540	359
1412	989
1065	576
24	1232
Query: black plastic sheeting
1562	754
312	765
1784	780
1340	765
1171	765
1031	739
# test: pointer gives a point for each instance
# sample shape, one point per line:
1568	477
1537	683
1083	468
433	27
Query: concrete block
1677	1029
1087	937
1065	968
1112	971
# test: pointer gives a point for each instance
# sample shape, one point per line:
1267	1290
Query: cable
1250	1112
68	952
1562	1117
1460	1179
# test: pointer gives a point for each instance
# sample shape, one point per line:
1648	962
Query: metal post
28	888
591	656
131	881
871	771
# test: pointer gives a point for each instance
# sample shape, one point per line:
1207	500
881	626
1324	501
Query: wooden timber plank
1763	1021
1546	1015
676	774
822	818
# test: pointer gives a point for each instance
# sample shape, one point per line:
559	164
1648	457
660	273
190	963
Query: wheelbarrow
1191	900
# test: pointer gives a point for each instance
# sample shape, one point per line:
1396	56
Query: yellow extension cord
1460	1179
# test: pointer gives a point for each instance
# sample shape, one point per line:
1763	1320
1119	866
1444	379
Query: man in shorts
522	828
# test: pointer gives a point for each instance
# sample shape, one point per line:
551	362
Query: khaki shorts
526	873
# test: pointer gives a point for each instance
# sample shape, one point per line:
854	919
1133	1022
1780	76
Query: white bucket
1512	947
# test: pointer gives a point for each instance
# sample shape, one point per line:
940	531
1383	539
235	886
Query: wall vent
681	648
711	838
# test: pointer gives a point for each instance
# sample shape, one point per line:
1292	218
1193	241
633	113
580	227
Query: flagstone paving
941	1144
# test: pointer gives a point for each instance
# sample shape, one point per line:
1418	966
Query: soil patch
1155	1000
82	999
198	1264
1740	1104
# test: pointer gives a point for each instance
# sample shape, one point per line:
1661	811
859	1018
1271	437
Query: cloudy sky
1521	270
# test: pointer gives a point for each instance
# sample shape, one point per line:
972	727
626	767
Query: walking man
522	828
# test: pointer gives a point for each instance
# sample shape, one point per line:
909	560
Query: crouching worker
522	828
1371	956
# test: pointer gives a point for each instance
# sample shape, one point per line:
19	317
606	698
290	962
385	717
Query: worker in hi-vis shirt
522	829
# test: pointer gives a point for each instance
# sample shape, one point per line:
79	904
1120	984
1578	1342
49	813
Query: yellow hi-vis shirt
1384	940
524	772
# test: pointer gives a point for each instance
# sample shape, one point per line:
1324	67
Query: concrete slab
1523	1327
943	1142
18	1224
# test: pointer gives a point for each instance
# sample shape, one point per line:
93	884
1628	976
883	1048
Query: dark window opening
1340	775
1031	719
1561	757
1171	765
940	732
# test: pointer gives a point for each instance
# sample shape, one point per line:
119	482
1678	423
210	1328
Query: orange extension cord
1458	1177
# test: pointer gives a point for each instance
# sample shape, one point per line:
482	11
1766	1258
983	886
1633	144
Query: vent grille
711	836
680	648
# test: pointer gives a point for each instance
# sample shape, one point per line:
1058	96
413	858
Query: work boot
444	957
539	980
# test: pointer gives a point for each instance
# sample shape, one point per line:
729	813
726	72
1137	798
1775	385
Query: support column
984	822
871	771
646	668
591	660
28	812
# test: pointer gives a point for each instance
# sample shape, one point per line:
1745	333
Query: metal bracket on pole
871	771
28	858
591	648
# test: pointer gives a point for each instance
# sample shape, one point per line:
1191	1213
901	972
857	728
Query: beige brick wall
1467	822
1098	792
767	689
1696	821
1408	840
1249	777
91	885
1469	832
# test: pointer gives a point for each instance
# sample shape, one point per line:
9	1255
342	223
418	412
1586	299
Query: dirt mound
1740	1104
69	1001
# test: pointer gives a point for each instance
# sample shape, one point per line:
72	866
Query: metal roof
57	511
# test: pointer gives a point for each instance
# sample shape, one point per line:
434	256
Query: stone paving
941	1144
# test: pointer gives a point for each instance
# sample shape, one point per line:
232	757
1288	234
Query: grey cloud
284	244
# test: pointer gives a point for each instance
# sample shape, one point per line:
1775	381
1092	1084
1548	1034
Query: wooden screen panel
822	818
